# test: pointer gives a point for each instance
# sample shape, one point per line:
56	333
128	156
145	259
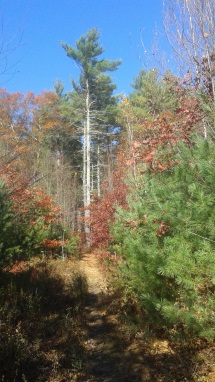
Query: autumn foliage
155	139
25	119
103	210
148	146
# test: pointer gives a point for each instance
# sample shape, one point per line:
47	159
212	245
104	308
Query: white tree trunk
84	166
87	166
88	161
98	172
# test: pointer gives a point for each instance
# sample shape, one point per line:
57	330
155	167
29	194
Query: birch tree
92	69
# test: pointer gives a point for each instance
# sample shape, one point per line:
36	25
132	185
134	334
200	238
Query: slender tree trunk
88	161
109	164
87	167
92	178
98	172
84	166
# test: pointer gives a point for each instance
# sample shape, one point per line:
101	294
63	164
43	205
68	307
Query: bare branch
9	43
190	30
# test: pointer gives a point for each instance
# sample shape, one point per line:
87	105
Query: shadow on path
107	349
113	356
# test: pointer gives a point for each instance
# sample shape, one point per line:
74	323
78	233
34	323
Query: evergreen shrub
166	240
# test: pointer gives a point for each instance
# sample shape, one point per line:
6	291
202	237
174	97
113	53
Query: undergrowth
39	324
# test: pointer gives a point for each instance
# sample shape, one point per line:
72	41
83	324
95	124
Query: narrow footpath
109	357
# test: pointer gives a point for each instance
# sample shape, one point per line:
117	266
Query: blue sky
35	27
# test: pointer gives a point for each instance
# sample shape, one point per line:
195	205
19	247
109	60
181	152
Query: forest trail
95	275
108	353
113	352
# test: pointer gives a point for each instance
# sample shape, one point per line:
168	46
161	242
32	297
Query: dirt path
108	356
95	276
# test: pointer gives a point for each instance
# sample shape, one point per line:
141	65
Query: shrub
166	240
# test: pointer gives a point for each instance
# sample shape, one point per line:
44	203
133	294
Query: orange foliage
54	244
155	139
46	114
103	209
24	120
36	205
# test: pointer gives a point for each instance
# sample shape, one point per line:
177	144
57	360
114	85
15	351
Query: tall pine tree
94	93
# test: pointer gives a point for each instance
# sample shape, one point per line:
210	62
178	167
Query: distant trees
36	175
94	107
153	94
43	136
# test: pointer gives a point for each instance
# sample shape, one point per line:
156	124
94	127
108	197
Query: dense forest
130	177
